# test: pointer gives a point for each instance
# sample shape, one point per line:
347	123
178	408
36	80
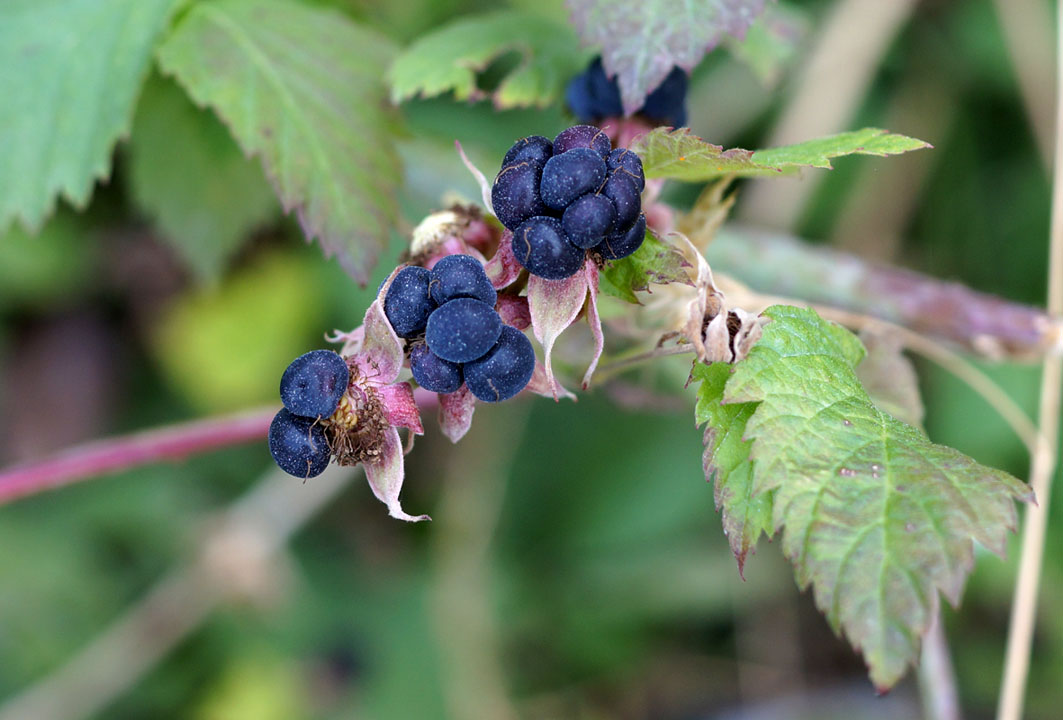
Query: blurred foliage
613	589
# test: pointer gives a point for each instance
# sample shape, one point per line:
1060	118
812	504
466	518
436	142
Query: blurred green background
575	567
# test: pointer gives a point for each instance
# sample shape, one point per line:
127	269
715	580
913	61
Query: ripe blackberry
313	383
298	445
407	303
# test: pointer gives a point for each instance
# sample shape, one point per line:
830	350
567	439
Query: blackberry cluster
449	314
592	95
564	198
311	388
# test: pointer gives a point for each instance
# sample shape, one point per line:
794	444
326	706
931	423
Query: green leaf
889	378
301	87
70	71
450	57
642	40
817	153
655	261
191	178
726	462
679	155
876	517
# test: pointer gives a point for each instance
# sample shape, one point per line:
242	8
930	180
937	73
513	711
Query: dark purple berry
625	196
582	136
298	445
515	194
581	100
569	175
541	247
667	103
588	220
620	245
596	97
624	161
432	372
534	149
407	303
462	329
457	276
505	370
313	383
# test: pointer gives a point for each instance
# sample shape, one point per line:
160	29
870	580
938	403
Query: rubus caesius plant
812	434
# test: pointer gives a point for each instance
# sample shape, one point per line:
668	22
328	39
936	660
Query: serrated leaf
655	261
818	153
679	155
889	378
642	40
875	517
448	58
727	463
188	174
302	88
70	71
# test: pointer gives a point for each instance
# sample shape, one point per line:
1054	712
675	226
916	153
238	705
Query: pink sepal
455	413
399	406
385	474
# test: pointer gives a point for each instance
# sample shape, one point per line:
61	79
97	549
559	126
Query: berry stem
173	442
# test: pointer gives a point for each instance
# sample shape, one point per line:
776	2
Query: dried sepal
718	333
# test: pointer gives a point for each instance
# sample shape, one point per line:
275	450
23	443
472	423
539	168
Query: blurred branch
174	442
473	486
937	679
986	325
1043	465
829	89
234	560
1026	25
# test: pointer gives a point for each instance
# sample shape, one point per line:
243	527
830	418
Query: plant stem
1042	467
979	323
474	481
937	680
174	442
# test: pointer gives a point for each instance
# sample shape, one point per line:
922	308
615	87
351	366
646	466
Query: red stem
174	442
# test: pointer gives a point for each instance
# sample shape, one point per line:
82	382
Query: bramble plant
809	411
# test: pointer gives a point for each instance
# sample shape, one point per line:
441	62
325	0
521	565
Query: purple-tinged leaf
301	87
726	463
642	40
